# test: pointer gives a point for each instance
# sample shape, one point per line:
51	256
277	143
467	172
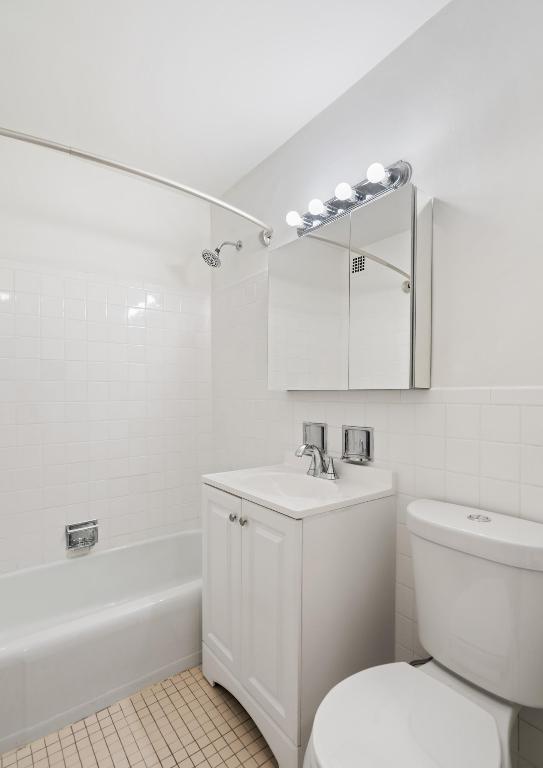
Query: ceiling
198	91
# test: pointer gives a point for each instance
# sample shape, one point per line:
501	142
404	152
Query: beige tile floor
182	721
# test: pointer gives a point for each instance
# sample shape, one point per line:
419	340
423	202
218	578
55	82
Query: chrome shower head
213	258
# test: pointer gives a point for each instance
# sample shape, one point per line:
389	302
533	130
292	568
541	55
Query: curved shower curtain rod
366	254
265	234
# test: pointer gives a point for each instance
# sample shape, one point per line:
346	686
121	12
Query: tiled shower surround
104	408
475	446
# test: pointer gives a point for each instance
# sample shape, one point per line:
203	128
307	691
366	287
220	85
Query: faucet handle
330	473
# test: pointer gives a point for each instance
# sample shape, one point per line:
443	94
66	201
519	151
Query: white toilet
479	590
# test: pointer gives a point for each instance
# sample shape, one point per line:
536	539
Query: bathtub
77	635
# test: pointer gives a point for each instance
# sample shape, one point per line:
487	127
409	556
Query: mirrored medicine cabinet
349	304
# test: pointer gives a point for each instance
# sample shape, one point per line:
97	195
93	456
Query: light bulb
316	206
294	219
376	173
343	191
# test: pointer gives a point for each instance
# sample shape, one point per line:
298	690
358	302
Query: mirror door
380	270
308	311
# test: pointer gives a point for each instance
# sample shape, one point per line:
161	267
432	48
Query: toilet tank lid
502	538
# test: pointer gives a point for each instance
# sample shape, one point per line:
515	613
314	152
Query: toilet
479	589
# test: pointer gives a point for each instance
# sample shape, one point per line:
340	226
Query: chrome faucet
320	466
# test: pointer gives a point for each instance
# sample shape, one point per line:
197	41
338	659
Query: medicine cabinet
350	304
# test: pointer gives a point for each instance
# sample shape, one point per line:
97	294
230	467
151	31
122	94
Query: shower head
213	258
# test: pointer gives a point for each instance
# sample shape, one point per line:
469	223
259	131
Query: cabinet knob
232	517
243	521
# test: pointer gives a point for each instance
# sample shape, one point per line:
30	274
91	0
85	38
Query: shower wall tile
105	408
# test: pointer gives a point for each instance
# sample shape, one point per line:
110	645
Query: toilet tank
479	595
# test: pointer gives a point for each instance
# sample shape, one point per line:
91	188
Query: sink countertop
286	488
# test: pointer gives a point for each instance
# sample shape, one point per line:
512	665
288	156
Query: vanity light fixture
380	181
376	173
344	191
294	219
316	207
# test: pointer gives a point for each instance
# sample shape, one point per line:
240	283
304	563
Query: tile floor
181	721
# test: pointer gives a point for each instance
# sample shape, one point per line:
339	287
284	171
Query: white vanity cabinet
292	605
252	602
222	577
271	597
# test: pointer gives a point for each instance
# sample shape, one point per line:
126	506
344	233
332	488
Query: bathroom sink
287	487
292	486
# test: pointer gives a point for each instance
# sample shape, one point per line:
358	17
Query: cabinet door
271	613
222	576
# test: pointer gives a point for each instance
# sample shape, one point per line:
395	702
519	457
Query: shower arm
265	234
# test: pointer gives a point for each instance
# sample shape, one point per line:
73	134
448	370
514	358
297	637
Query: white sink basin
292	486
288	489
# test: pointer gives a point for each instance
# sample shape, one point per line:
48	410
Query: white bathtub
79	634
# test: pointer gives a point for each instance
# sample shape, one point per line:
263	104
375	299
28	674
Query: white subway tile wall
474	446
104	408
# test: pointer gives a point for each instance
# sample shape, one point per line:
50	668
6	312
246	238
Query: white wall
104	355
461	100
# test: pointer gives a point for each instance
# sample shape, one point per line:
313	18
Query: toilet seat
395	716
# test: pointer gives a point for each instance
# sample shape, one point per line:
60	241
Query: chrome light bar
381	180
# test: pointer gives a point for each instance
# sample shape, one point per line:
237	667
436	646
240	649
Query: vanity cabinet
222	577
293	606
271	581
251	618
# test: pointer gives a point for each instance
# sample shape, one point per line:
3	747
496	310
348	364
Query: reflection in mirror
380	270
350	303
308	317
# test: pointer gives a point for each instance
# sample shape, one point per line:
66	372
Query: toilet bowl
479	586
399	716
